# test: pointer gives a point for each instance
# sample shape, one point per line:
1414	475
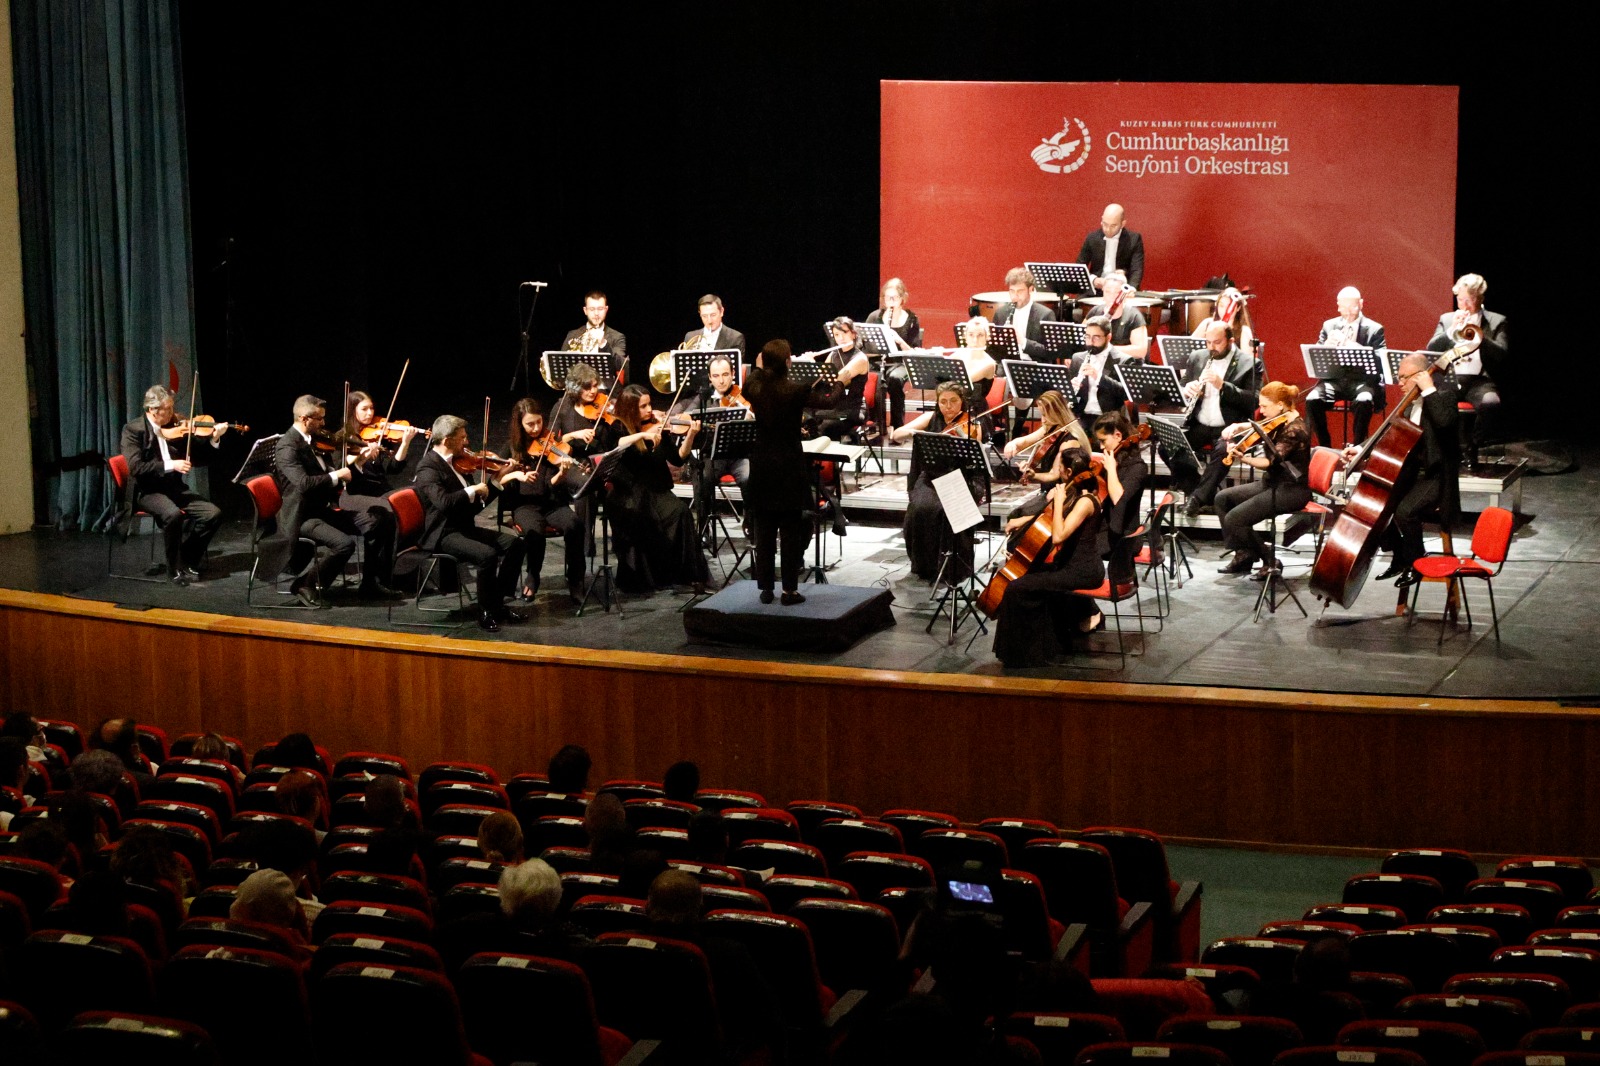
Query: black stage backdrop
372	183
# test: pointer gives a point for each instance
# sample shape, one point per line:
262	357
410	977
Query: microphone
534	285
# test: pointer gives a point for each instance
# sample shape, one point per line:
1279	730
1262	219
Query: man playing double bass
1436	488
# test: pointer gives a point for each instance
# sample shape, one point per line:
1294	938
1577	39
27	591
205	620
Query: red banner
1293	190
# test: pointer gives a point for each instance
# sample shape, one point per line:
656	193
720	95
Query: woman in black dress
837	412
893	312
657	545
539	496
1039	615
1283	488
372	464
926	529
779	493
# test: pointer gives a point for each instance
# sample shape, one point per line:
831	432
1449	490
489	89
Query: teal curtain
105	232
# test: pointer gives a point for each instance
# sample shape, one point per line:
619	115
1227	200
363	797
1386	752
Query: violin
602	410
1140	434
202	426
468	461
548	449
389	432
1254	436
733	398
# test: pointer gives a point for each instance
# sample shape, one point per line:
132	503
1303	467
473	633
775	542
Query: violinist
157	466
838	412
719	391
926	530
1282	488
594	335
538	493
312	509
450	503
1130	333
1124	477
578	414
1437	488
1058	429
1039	617
893	312
371	460
657	546
1095	389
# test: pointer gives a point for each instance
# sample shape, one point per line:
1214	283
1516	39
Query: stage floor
1547	597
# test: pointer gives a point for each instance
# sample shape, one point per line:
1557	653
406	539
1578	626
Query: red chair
1059	1036
267	502
1440	1043
1545	995
1573	875
1143	876
1247	1040
1491	543
409	521
857	943
1451	868
783	891
1415	894
65	973
523	1008
1115	595
122	1036
372	951
421	1018
126	522
1500	1020
238	996
781	948
808	814
656	988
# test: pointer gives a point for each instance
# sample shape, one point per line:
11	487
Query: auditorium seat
1537	1058
608	914
783	891
1115	1053
239	996
1474	943
471	772
190	814
1026	924
1578	967
759	823
1060	1035
1372	917
102	1036
372	762
519	785
1563	1038
420	1017
1272	959
1583	916
857	943
783	856
1080	887
1565	938
459	819
628	789
1378	991
658	812
475	793
375	888
451	872
715	897
1139	859
710	873
1426	959
212	769
913	822
1415	894
371	951
228	932
580	883
673	844
1247	1040
15	923
1542	899
1545	995
1453	869
655	988
1511	921
535	805
376	919
1225	984
554	831
873	871
722	799
214	901
33	882
946	849
1500	1020
782	950
186	840
1333	1055
1019	832
568	860
837	837
460	901
1572	875
63	973
21	1042
1440	1043
1306	932
523	1008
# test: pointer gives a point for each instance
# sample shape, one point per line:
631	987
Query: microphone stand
522	369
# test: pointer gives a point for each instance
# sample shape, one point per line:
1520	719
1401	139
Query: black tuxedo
1363	392
728	338
449	528
1033	344
1437	487
1130	255
166	496
1110	391
313	508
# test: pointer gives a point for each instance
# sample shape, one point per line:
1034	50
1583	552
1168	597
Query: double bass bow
1388	465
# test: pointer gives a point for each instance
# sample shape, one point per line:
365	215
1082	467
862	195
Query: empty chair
1578	967
71	972
1572	875
452	872
186	840
209	792
626	790
101	1036
1583	916
808	814
1545	995
1247	1040
1538	1058
473	793
947	849
580	883
1415	894
913	823
1542	899
783	891
1025	919
659	813
523	1008
537	804
1080	886
838	837
1474	943
1453	869
1500	1020
857	943
215	769
759	823
375	888
783	856
459	901
1223	983
34	883
1440	1043
709	873
215	901
455	771
1304	931
1270	958
713	897
1427	959
458	819
608	914
371	762
1563	1038
421	1019
1139	859
781	948
378	919
871	872
1372	917
238	995
568	860
1333	1055
1511	921
455	846
671	843
372	951
190	814
1019	832
1379	992
229	932
722	799
655	988
1115	1053
555	831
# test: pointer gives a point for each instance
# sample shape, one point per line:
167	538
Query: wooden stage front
1203	764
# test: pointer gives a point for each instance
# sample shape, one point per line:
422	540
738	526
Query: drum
988	302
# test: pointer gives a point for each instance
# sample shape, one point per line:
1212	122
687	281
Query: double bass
1389	464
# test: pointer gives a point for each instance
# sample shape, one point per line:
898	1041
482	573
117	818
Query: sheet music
827	446
959	507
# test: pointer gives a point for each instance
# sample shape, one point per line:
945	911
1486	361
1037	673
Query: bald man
1113	247
1350	327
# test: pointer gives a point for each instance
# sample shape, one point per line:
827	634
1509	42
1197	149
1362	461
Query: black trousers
1404	535
532	521
1360	395
497	556
793	528
187	523
1240	507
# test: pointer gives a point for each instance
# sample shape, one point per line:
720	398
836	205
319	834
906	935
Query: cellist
1072	519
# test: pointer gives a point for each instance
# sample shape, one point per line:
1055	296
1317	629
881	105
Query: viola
202	426
1255	434
388	431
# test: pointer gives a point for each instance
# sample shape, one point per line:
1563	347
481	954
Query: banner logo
1053	154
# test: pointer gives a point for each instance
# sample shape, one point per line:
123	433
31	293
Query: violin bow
393	399
344	450
194	391
483	468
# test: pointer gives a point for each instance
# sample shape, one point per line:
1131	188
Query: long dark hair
519	438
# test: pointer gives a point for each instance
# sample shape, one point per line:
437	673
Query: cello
1388	463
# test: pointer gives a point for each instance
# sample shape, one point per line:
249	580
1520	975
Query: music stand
810	372
1150	386
930	371
730	439
1175	349
1324	361
594	488
817	572
687	363
556	364
1027	379
875	338
1062	278
1391	364
1065	337
260	460
942	452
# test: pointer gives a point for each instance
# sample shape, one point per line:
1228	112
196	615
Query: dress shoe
792	598
766	596
189	572
1261	574
180	579
1241	564
508	617
1407	579
1086	627
305	594
1194	509
530	590
488	622
1396	569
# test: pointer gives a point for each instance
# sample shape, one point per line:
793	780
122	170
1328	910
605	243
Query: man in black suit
1025	315
1126	249
1364	393
1095	388
595	335
713	335
311	488
1437	487
157	466
1220	385
1476	372
449	506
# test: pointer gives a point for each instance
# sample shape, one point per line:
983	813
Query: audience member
214	746
500	838
610	839
120	736
682	781
569	770
267	897
45	841
530	895
300	793
298	749
14	774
